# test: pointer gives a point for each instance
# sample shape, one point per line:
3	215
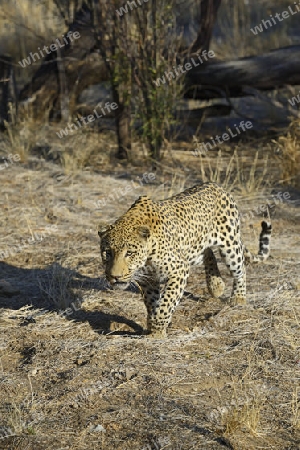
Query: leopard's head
124	249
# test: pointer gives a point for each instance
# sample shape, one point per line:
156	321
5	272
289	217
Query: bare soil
85	377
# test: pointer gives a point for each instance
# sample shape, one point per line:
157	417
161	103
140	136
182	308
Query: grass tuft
289	146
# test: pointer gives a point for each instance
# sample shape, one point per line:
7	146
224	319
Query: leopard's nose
114	279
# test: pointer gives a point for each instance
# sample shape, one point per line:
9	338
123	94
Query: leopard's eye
129	253
106	254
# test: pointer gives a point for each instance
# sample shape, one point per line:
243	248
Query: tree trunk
7	89
123	131
209	10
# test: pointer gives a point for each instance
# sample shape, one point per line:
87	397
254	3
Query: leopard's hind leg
214	281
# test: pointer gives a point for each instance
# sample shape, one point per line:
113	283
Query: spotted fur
156	242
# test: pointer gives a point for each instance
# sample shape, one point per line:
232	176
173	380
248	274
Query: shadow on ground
56	288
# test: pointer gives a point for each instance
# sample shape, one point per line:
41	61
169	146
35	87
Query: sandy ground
85	378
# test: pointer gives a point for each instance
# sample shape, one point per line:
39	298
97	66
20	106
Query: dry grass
21	135
235	176
290	155
224	378
77	153
56	286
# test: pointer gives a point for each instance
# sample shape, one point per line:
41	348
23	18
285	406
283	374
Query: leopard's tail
264	245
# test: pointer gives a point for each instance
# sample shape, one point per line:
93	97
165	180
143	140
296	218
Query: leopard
155	244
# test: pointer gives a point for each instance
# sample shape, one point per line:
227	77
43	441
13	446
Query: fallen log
215	79
269	71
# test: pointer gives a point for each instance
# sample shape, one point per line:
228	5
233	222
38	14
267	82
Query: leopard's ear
144	231
102	229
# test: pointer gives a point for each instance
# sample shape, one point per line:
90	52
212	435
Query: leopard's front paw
157	334
237	300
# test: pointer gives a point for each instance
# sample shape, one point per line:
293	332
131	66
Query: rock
99	429
7	290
